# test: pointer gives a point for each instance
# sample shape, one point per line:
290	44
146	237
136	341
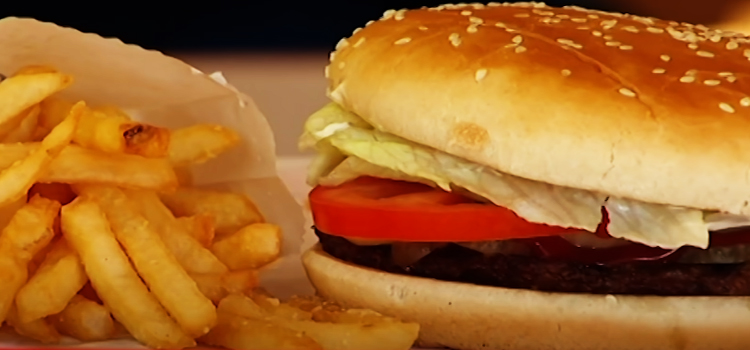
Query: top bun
628	106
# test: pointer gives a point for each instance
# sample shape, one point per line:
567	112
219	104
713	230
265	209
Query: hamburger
518	176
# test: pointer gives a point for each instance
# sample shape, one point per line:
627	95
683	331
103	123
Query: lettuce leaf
378	153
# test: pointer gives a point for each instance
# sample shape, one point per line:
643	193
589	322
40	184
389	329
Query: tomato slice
381	209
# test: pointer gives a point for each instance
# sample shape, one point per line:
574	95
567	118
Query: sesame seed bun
466	316
632	107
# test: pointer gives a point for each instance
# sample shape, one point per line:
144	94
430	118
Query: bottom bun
467	316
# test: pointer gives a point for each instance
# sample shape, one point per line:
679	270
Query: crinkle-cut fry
24	132
193	257
87	230
57	280
85	320
153	261
27	233
231	211
41	329
16	180
199	143
20	92
115	133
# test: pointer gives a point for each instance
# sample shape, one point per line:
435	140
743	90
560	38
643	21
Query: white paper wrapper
167	92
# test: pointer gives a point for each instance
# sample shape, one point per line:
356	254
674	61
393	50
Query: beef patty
455	263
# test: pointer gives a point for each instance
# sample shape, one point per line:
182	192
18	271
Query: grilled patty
455	263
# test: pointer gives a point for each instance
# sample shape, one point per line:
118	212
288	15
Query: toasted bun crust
632	107
465	316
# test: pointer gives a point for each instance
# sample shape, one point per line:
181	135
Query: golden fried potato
24	132
23	91
235	332
216	286
85	320
200	226
153	261
57	280
114	132
27	233
86	228
198	143
40	329
231	211
251	247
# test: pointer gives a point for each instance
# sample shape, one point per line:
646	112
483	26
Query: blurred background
276	51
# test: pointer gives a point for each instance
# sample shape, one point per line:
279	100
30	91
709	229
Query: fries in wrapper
132	98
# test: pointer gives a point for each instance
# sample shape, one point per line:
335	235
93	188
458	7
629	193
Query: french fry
7	211
231	211
27	233
20	92
15	152
40	330
57	280
199	143
25	130
217	286
235	332
386	333
86	229
251	247
154	262
193	257
85	320
115	133
77	165
53	111
200	226
16	180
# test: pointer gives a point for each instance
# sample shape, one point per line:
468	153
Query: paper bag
166	92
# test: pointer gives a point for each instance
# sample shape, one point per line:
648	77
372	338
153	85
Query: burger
518	176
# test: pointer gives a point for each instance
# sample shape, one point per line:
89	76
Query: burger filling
384	202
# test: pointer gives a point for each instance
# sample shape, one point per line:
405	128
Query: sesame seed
705	54
332	56
359	42
476	20
747	53
466	13
627	92
693	46
388	14
480	74
659	71
566	72
583	27
596	33
733	45
745	102
579	20
715	38
399	15
562	15
687	79
731	79
725	74
612	43
517	39
626	47
607	37
593	16
455	39
423	28
342	44
356	30
609	24
726	107
471	29
500	25
712	82
520	49
369	23
522	15
655	30
630	29
402	41
691	72
494	4
665	58
326	71
569	42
